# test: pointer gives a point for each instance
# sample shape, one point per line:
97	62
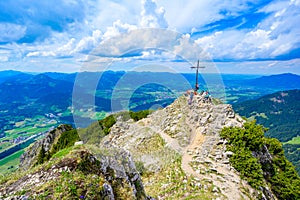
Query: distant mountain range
25	95
279	111
280	82
25	86
4	75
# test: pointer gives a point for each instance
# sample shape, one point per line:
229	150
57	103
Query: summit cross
197	69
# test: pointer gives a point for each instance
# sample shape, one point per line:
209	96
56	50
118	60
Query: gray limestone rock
29	158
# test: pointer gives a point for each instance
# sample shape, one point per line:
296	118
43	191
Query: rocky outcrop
89	173
29	158
112	171
265	159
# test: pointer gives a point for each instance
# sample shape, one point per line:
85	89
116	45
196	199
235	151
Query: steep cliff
44	146
80	174
74	172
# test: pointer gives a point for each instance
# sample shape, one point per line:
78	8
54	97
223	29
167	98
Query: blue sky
256	37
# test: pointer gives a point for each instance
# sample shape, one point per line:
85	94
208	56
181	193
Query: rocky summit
192	133
173	153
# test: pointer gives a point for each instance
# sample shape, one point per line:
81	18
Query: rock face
89	173
191	131
112	170
265	158
29	158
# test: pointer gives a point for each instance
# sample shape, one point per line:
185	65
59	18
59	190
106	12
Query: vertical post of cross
197	72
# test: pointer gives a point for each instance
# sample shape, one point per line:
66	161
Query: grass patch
295	140
63	152
27	131
4	146
76	185
172	183
155	143
10	163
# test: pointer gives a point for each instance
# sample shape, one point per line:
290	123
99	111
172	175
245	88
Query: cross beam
197	69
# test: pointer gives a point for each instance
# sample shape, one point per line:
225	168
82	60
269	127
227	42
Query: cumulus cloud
68	48
152	16
147	45
3	58
87	43
10	32
117	28
41	54
273	37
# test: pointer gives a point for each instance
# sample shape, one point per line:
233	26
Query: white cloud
272	37
258	39
11	32
282	49
295	2
67	47
33	54
208	42
3	58
86	44
41	54
117	28
152	16
183	15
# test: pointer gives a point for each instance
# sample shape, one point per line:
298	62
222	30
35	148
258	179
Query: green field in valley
10	163
295	140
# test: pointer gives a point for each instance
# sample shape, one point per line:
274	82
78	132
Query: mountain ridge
280	81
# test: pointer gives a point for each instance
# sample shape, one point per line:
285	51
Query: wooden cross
197	68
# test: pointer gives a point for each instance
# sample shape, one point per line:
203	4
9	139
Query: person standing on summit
191	97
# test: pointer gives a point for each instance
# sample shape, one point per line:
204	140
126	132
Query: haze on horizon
241	37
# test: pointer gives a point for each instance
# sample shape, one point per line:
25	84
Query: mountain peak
40	78
190	132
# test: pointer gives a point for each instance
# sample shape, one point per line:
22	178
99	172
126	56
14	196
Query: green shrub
66	139
136	116
140	167
107	123
280	173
